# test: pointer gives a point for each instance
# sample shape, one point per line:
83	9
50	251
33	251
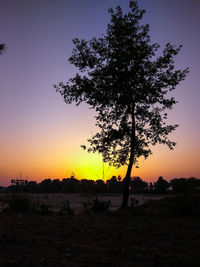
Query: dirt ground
55	201
114	238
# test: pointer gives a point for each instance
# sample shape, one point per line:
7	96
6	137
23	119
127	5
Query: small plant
66	208
99	206
19	203
134	202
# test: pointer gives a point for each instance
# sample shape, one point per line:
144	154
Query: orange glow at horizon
86	165
53	151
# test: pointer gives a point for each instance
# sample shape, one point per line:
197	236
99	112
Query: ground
147	236
56	200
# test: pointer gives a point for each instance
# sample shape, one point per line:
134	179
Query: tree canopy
126	79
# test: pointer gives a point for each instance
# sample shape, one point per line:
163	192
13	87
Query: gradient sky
40	136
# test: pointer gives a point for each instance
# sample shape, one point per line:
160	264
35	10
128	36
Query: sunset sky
40	135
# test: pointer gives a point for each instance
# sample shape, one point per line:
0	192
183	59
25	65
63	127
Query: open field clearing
78	202
162	233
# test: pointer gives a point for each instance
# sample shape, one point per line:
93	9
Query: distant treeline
114	185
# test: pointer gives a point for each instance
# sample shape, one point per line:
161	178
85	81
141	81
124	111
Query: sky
40	135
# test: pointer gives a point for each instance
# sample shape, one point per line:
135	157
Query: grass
144	236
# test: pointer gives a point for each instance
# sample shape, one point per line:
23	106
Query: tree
138	185
184	185
127	84
161	185
150	187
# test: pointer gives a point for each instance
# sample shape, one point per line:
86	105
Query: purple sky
39	134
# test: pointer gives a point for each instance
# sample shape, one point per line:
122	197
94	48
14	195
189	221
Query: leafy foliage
127	84
138	185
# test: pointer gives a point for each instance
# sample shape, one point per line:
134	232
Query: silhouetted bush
19	203
99	205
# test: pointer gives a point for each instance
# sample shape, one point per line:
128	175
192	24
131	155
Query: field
56	201
161	233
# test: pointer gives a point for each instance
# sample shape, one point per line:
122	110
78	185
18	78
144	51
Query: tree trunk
126	185
130	165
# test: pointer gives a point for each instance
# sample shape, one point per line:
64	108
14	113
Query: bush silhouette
19	203
99	205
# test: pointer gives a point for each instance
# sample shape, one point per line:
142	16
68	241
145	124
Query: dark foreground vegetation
160	233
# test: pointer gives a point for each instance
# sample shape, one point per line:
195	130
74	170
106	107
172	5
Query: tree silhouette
184	185
161	185
127	84
138	185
